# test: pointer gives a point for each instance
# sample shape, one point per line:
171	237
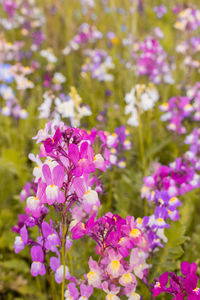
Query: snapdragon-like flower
64	179
179	286
49	55
64	107
115	237
98	63
140	99
160	10
152	61
73	293
86	34
176	110
176	179
188	19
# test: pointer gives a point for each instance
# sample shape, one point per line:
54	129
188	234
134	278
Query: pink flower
37	267
94	275
54	181
114	268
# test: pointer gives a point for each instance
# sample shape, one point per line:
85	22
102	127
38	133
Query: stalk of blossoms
65	182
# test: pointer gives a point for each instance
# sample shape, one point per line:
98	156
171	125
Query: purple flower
160	10
37	267
54	181
51	143
179	286
21	241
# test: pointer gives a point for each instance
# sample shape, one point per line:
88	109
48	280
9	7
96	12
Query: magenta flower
72	292
111	292
59	269
37	267
82	159
85	291
179	286
51	143
114	268
54	181
52	239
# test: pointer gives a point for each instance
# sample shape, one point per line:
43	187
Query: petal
61	197
36	268
37	254
47	174
73	152
54	263
79	186
163	279
185	267
24	234
46	229
58	175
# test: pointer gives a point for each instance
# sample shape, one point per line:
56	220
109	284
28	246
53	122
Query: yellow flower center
135	233
160	220
127	278
115	264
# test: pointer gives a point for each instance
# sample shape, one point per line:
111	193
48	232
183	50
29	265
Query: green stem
111	188
38	284
141	142
69	253
51	282
63	259
142	155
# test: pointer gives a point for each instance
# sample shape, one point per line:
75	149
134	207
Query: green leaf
167	258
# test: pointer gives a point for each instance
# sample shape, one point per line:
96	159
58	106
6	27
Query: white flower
45	108
59	78
66	108
48	54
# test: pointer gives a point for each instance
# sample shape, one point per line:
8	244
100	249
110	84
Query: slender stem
51	282
141	142
38	284
112	178
69	253
142	153
63	259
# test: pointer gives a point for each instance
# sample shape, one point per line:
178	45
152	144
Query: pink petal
58	175
47	174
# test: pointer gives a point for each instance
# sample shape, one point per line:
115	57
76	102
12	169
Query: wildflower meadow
99	149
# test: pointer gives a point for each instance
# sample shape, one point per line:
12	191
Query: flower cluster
64	107
86	34
113	146
176	110
152	61
26	16
188	19
193	94
63	179
177	178
65	182
116	239
98	63
179	286
189	48
180	108
14	75
160	10
140	99
10	74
